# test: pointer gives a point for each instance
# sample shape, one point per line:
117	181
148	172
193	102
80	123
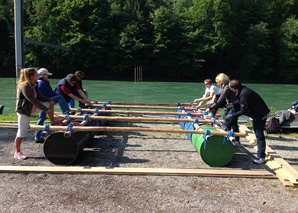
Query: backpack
273	126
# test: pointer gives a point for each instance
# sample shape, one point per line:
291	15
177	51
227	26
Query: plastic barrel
63	151
217	153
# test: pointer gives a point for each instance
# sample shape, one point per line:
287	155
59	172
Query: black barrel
63	151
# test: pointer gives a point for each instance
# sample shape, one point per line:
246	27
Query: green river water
277	96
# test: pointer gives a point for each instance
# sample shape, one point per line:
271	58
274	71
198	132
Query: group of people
35	95
237	100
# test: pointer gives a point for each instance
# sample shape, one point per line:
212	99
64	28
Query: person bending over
252	105
80	75
68	88
227	100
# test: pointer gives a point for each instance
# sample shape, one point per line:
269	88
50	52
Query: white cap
42	71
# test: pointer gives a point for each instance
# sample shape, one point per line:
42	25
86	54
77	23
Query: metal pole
19	36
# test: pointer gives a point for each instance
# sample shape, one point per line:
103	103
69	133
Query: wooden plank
129	129
284	170
9	125
139	171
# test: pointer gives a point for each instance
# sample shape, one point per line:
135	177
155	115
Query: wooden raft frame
282	169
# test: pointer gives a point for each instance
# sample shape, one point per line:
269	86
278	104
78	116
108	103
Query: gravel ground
123	193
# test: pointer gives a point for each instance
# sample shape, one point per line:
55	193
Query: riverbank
122	193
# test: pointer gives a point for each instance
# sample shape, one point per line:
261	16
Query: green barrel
217	152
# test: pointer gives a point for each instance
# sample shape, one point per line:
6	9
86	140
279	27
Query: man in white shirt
210	93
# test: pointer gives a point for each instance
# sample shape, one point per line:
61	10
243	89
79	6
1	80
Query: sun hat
43	71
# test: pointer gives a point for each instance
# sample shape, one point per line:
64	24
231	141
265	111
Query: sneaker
259	160
39	140
236	143
19	156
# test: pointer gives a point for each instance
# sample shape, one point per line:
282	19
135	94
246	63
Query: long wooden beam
144	104
284	171
139	171
137	112
139	119
142	107
130	129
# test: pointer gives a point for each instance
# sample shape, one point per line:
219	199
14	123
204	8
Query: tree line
173	40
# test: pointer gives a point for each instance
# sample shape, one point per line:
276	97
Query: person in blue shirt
46	89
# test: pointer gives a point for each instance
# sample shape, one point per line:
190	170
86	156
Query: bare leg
51	114
17	144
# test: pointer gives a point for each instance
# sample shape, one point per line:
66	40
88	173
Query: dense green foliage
172	39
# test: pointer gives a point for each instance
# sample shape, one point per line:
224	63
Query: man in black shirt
252	105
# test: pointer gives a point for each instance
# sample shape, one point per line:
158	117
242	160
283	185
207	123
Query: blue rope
69	128
96	111
205	135
213	122
67	117
195	121
45	129
86	117
231	134
224	141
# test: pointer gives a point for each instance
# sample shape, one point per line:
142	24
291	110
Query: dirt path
121	193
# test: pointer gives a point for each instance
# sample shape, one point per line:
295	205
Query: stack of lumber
282	169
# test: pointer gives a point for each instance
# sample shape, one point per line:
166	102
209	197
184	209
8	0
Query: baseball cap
43	71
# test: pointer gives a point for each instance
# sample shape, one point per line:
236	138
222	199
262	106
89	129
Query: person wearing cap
68	88
82	92
45	87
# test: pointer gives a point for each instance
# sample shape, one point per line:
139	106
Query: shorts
24	121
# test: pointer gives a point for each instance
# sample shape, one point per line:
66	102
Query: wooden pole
137	112
130	129
143	107
138	119
145	104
